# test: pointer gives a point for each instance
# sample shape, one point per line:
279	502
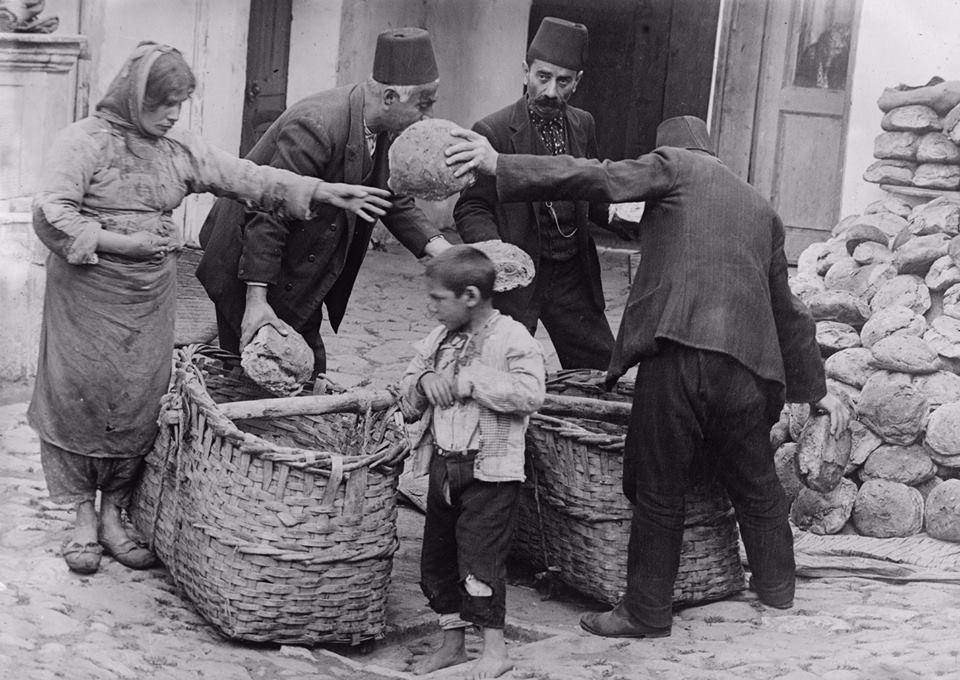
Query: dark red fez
404	56
685	132
559	42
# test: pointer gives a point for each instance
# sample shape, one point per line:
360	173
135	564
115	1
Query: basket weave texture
574	519
279	529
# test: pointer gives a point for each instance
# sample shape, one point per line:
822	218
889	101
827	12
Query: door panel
802	106
268	54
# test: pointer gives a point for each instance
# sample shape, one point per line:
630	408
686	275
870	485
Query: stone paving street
135	625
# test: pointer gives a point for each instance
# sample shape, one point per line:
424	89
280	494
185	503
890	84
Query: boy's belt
447	453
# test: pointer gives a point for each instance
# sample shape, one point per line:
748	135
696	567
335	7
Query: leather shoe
619	624
129	554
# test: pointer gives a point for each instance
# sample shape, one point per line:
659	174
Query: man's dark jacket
311	262
480	216
713	274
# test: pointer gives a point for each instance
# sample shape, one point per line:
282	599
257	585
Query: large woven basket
278	528
575	521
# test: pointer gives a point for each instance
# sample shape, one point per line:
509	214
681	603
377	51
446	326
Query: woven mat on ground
912	558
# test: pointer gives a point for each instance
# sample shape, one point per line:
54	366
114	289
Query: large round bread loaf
869	252
863	442
838	305
890	204
951	301
942	274
852	366
887	222
899	145
278	363
890	320
905	290
824	513
908	465
942	387
892	408
937	176
899	173
904	353
833	336
810	259
917	254
797	415
821	457
942	511
887	509
941	215
913	117
805	286
866	280
943	430
514	267
417	164
785	463
936	147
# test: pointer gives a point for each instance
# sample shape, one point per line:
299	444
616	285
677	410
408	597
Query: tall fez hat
559	42
404	56
685	132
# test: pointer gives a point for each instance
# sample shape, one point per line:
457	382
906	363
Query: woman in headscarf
104	211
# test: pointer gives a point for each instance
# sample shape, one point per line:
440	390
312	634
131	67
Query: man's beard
547	107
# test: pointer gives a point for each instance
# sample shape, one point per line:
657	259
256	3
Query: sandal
83	558
129	554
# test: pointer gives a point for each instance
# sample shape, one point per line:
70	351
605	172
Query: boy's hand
438	390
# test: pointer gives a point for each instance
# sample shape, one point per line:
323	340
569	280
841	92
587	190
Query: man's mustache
548	102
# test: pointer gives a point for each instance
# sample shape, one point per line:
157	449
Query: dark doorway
647	60
268	55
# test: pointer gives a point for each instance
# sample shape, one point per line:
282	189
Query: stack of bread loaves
919	145
885	292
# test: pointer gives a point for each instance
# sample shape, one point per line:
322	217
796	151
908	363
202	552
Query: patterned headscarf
124	99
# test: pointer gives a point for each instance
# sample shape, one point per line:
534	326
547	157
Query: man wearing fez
260	270
719	342
566	294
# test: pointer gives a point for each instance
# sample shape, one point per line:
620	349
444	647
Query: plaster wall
899	41
315	35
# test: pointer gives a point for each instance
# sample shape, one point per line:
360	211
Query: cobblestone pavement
125	624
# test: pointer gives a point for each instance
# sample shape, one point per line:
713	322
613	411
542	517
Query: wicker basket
279	529
574	519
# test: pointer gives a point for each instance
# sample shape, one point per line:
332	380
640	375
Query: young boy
473	383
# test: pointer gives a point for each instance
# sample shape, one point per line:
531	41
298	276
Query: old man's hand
475	153
838	411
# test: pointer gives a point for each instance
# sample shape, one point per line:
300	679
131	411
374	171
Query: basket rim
188	384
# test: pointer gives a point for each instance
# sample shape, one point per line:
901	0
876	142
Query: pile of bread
885	292
920	145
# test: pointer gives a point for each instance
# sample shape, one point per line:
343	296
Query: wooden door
268	54
803	101
646	60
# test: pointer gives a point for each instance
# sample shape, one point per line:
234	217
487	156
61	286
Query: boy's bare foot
494	661
452	651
